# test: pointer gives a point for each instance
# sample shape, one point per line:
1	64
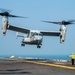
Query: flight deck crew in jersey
72	56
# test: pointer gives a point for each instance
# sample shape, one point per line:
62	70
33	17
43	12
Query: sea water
59	57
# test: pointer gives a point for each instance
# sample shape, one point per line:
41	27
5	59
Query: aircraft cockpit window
40	34
35	33
32	34
28	35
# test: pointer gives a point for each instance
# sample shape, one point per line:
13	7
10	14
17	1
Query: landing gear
38	46
22	44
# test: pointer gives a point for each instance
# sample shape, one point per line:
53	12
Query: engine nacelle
4	28
62	36
4	25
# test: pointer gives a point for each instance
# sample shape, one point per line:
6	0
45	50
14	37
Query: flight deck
35	67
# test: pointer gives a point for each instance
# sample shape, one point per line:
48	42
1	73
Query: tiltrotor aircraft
34	37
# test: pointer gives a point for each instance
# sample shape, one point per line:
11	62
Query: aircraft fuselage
33	38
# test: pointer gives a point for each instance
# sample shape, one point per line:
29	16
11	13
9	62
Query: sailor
72	56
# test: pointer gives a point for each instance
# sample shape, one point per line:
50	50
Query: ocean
59	57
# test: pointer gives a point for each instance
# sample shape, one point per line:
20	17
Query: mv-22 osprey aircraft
34	37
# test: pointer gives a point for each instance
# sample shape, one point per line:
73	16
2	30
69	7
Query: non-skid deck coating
35	67
55	65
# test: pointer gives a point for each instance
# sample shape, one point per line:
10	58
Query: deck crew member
72	56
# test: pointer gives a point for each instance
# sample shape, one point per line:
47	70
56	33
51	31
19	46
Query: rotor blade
46	21
5	10
53	22
68	23
1	14
71	21
16	16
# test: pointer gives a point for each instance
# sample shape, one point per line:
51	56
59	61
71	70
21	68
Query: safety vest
72	56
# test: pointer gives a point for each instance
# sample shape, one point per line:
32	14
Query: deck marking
48	64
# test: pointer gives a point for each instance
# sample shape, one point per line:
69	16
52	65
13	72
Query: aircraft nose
39	38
